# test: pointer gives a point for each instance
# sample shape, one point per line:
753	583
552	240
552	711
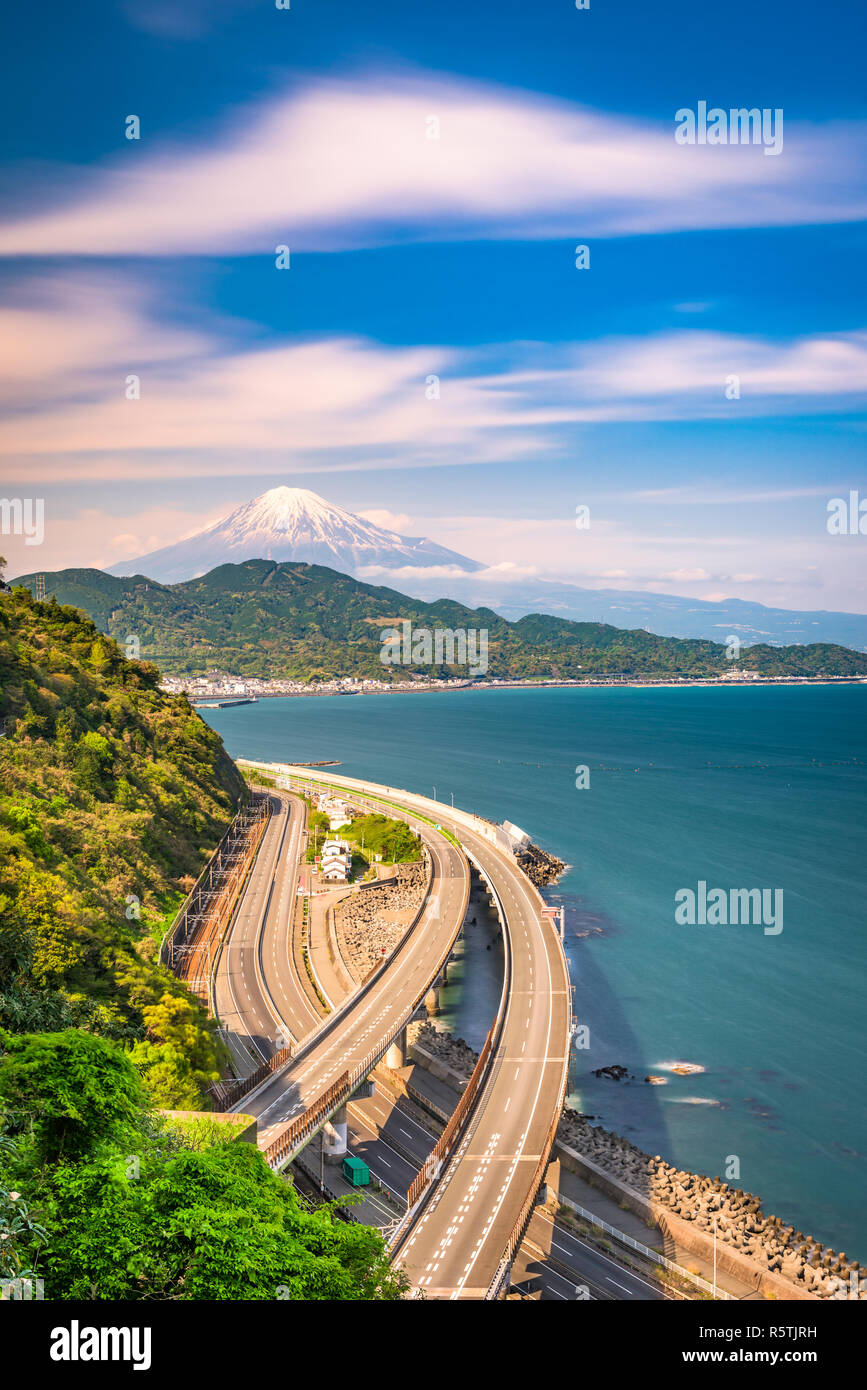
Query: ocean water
741	788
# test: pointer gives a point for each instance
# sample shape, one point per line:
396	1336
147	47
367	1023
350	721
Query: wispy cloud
691	495
208	399
348	162
801	565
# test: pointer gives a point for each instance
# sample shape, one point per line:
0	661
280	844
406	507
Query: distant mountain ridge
307	623
291	524
297	525
670	615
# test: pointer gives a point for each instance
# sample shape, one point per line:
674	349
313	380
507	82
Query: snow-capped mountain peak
293	523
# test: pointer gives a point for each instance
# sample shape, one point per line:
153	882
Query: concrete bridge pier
334	1146
433	996
395	1057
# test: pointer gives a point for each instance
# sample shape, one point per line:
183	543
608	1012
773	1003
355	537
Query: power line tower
40	588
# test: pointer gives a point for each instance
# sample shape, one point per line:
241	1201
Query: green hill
309	623
112	794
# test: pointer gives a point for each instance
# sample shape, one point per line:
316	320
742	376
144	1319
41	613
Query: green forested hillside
308	623
111	796
102	1199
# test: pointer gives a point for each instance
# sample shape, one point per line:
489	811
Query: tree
72	1090
216	1225
93	758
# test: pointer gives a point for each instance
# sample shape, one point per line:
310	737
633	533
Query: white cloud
93	537
390	521
685	576
699	364
346	162
212	404
700	494
62	334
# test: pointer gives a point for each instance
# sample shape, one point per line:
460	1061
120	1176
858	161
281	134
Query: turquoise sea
741	788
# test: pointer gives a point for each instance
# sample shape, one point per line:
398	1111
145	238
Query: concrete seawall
682	1233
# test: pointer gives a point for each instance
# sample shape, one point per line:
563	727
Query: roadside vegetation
112	795
368	835
378	834
118	1203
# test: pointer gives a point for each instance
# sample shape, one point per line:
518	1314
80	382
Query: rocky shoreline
454	1053
541	868
740	1222
371	922
741	1225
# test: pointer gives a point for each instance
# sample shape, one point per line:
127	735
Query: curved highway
371	1018
455	1247
454	1243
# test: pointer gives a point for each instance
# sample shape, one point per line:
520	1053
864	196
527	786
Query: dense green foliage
377	834
370	834
127	1209
317	833
306	622
69	1090
112	794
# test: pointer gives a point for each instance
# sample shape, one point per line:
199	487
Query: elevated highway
458	1239
255	981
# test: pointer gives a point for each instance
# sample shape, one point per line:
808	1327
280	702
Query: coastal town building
336	861
337	812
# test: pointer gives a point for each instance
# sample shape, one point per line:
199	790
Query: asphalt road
455	1246
562	1265
458	1242
375	1014
259	1000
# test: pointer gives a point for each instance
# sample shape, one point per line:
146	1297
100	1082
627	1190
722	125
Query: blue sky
452	256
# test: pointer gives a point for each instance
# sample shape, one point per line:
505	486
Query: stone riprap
741	1224
541	868
371	922
740	1221
455	1055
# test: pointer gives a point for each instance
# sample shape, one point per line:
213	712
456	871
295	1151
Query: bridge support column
395	1057
334	1144
432	1001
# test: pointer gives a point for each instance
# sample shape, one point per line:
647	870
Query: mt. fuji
292	523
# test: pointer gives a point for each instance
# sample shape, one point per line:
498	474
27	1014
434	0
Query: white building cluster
337	811
336	861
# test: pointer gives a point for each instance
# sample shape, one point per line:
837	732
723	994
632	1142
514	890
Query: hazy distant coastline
285	690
